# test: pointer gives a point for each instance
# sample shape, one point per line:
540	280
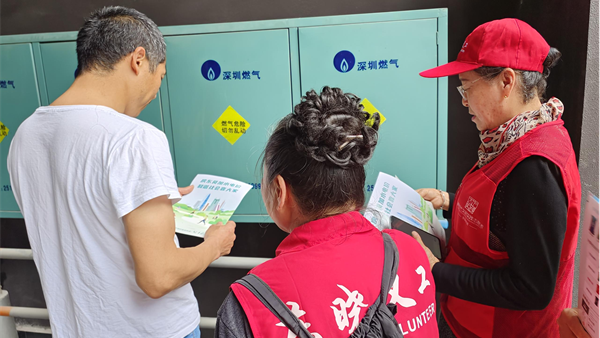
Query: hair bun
330	127
551	61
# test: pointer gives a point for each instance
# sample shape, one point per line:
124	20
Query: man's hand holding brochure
213	200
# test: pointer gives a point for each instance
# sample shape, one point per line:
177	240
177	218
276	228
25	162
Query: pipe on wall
24	254
23	312
223	262
38	313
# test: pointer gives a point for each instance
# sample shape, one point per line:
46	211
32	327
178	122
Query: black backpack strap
384	322
390	266
263	292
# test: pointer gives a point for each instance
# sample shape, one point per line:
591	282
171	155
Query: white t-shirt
76	171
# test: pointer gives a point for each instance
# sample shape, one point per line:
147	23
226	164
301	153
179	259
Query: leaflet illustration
392	197
213	200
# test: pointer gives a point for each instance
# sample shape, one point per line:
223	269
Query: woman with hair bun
514	218
329	269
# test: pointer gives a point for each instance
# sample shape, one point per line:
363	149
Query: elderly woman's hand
439	199
430	256
570	326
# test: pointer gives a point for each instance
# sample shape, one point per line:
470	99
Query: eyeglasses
463	91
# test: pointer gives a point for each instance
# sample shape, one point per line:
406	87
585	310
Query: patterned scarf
495	141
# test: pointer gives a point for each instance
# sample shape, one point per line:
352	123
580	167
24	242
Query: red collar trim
324	230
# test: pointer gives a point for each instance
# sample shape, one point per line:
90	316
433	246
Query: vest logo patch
467	217
471	205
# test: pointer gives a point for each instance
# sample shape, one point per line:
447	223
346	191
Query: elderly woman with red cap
515	216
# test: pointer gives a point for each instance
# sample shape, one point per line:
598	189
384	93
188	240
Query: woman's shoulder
267	266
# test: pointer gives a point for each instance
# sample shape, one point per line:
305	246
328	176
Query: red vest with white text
328	272
468	244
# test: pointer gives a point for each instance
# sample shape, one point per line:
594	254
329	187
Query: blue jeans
194	334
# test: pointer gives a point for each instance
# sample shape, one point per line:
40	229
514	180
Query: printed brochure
213	200
392	197
588	267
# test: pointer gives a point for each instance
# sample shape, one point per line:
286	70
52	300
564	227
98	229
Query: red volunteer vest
468	244
328	272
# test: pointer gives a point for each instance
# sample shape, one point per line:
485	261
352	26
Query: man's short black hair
111	33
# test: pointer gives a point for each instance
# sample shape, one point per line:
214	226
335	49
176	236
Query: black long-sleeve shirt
232	321
528	220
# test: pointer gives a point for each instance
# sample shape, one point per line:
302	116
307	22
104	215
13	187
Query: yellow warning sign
370	108
3	131
231	125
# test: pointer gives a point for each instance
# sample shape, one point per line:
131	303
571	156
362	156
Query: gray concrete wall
588	156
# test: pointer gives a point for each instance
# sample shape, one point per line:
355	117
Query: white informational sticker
588	267
213	200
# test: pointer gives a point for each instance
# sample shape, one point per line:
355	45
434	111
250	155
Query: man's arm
160	266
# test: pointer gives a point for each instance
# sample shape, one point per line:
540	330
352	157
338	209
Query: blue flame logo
344	66
344	61
211	70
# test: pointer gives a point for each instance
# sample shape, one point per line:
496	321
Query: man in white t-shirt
96	186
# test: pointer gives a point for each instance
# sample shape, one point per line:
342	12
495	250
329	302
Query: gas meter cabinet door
380	62
19	98
226	91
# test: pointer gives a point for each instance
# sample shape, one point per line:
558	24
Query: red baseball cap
508	43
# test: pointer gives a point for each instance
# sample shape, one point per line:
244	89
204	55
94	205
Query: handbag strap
263	292
390	266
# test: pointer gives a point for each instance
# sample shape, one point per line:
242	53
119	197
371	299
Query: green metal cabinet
380	62
60	61
208	74
227	85
18	99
